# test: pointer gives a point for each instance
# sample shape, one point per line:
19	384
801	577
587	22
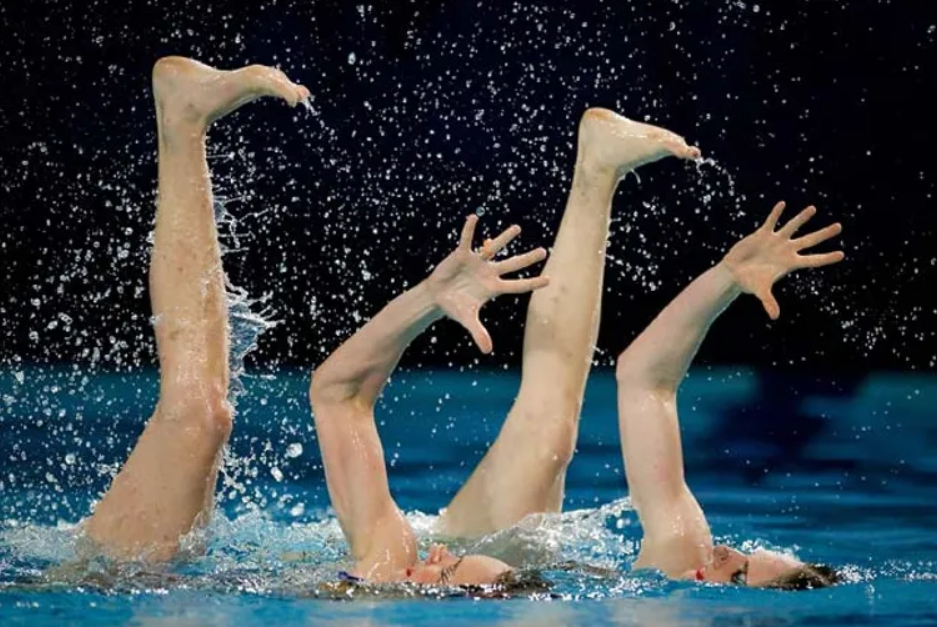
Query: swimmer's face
757	569
443	568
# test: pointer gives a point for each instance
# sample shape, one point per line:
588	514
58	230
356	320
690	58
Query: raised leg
166	487
524	471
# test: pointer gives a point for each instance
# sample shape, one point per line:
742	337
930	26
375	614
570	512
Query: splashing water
256	554
707	163
261	545
245	324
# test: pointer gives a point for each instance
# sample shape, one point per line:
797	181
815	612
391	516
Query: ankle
179	131
592	176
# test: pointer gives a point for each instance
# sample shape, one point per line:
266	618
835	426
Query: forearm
360	367
660	357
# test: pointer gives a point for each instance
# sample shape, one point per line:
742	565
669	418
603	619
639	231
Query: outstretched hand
767	255
466	279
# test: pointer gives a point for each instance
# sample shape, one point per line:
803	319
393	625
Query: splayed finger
495	246
818	237
520	262
818	261
798	221
468	232
775	216
521	286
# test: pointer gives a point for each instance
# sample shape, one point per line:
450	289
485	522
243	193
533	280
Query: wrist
427	302
728	271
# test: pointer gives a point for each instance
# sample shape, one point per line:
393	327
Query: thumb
479	333
770	304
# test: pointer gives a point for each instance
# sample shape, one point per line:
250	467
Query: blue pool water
839	470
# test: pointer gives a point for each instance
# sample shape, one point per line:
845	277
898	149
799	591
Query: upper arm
356	477
676	534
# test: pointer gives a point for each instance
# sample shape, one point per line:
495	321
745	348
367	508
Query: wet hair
807	577
531	580
511	584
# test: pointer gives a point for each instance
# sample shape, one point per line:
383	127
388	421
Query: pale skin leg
166	487
524	470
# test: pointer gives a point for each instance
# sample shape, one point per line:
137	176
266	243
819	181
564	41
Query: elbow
329	389
635	371
324	399
324	389
315	390
630	369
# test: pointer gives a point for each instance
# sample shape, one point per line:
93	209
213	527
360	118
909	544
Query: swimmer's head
765	569
806	577
443	568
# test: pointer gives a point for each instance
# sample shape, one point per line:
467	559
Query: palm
767	255
465	280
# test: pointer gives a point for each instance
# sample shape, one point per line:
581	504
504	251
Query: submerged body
166	488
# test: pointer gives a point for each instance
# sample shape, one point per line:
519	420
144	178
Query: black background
425	111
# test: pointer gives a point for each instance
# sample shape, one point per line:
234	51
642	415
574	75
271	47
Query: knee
202	411
564	443
563	448
554	429
221	418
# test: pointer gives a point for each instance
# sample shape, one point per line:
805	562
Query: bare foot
193	94
610	142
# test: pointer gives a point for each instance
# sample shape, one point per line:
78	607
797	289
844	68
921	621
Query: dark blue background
835	442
